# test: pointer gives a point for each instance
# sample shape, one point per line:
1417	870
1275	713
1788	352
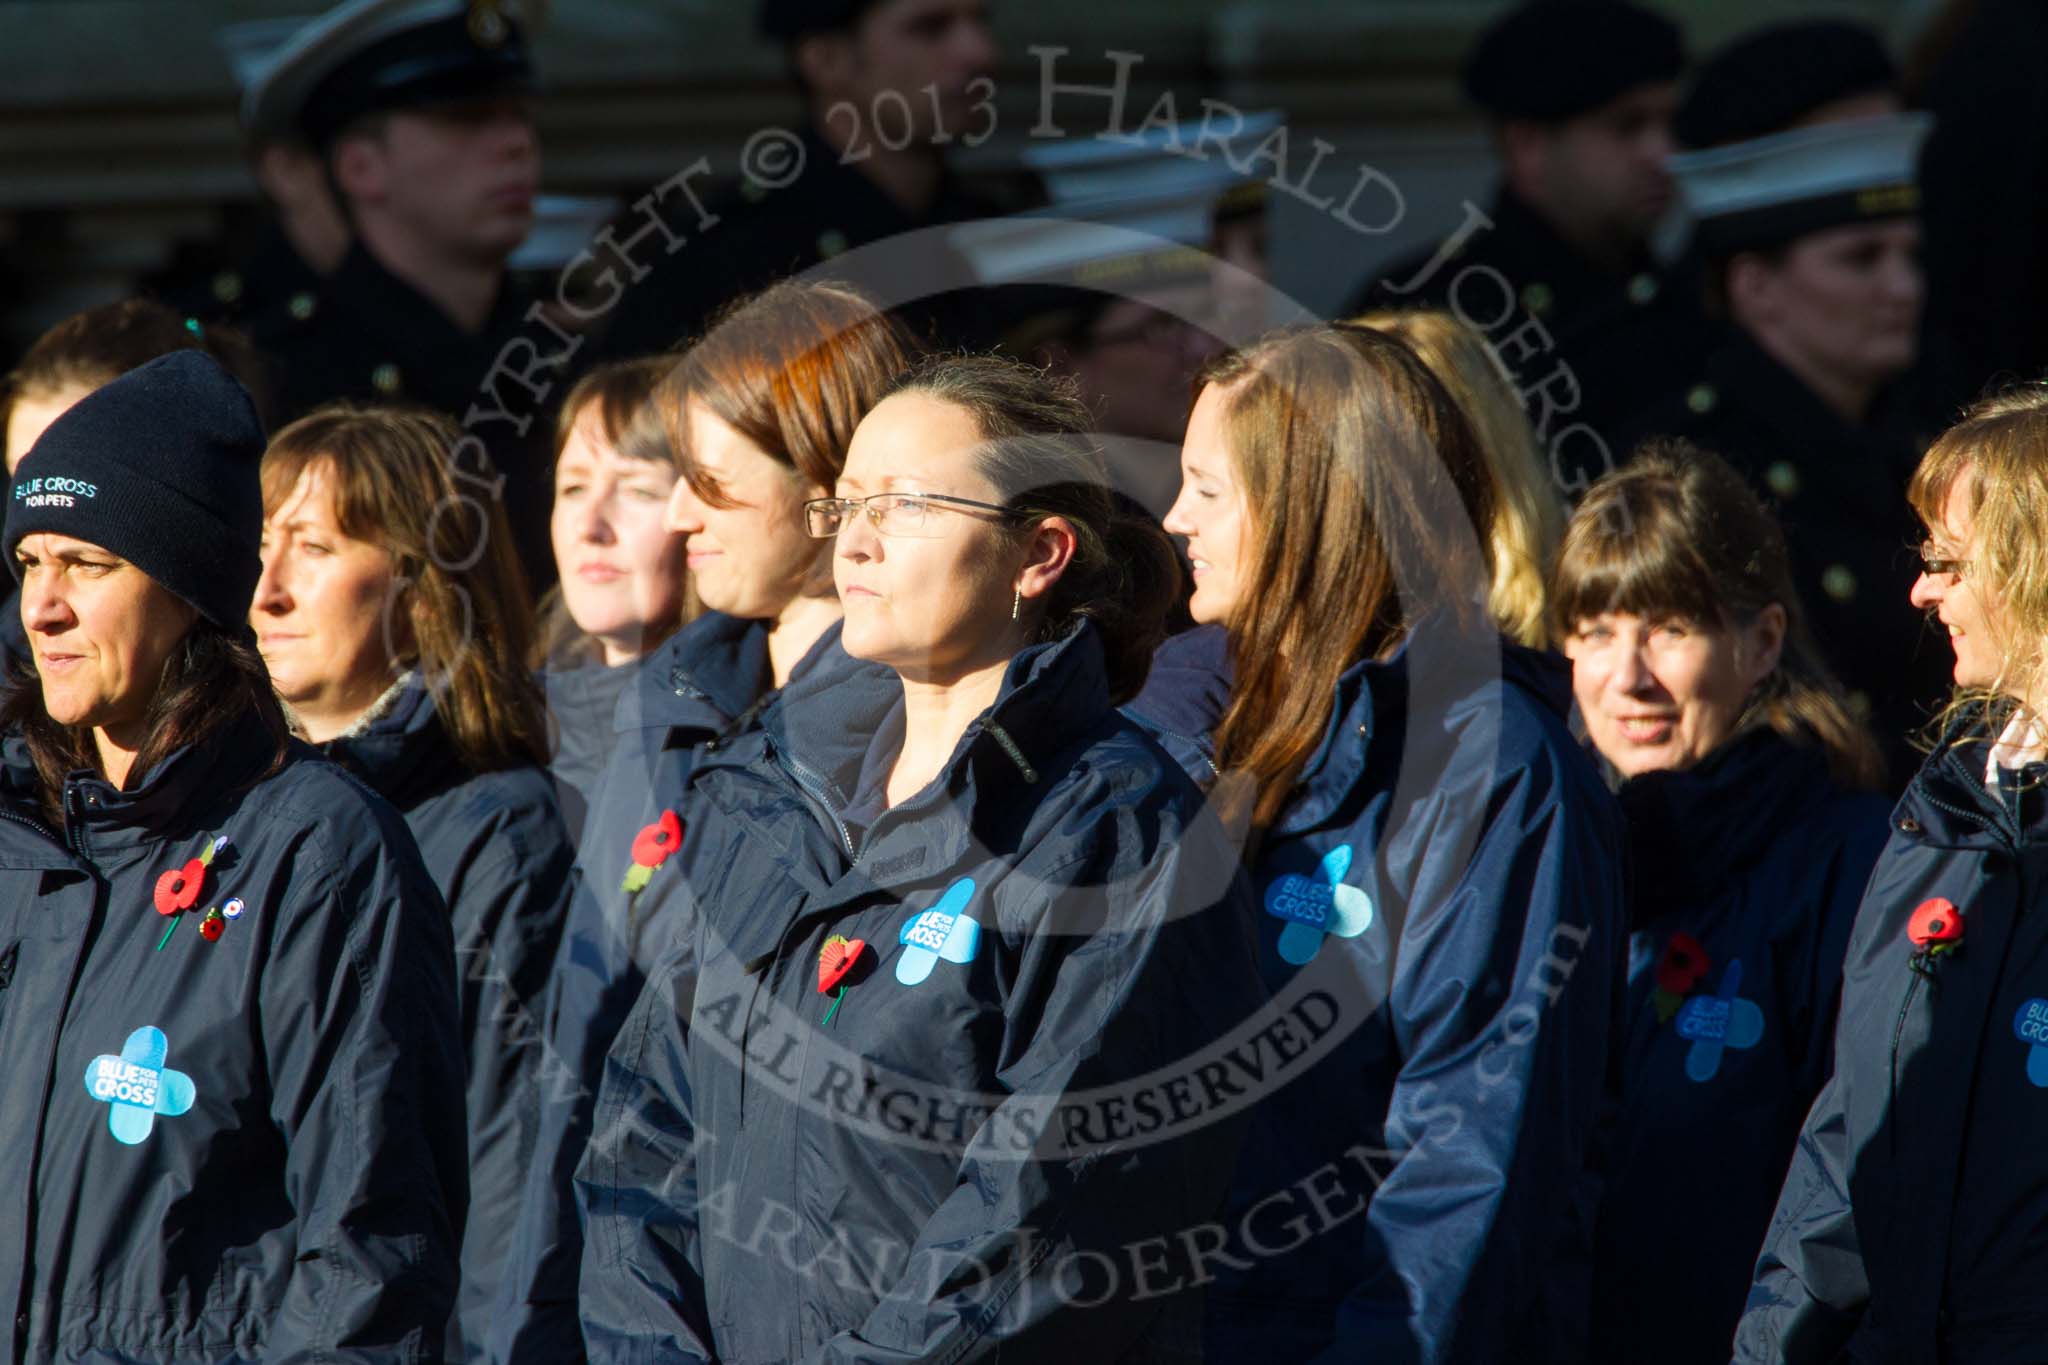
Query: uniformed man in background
888	85
422	114
260	275
1558	271
1805	206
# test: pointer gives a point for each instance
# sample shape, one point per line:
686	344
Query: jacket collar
1693	829
1951	804
703	676
819	734
1375	706
400	748
174	801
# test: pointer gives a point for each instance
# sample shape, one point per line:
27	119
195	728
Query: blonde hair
1528	516
1676	532
2001	447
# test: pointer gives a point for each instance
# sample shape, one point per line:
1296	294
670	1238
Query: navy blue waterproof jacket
1914	1219
1758	858
237	1148
710	678
1440	911
583	706
497	851
995	1143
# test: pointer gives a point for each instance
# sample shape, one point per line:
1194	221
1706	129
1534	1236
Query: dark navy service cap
1774	78
788	20
1551	60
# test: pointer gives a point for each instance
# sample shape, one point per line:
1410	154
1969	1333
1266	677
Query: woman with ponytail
961	933
1437	868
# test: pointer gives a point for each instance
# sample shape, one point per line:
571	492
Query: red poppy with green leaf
1935	930
651	847
1679	972
180	888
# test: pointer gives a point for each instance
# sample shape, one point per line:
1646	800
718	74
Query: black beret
1551	60
788	20
1769	80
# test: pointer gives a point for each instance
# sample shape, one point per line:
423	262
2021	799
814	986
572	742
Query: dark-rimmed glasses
1934	565
893	514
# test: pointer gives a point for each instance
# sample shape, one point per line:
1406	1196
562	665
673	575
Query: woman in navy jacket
621	589
758	413
395	627
1433	858
1753	821
1913	1224
233	1090
962	937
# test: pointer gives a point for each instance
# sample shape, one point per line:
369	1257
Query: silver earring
1016	601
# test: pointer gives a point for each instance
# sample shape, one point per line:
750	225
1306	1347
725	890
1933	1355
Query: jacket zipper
1898	1035
814	787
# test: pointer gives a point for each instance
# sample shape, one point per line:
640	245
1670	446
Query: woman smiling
757	416
1752	824
1913	1224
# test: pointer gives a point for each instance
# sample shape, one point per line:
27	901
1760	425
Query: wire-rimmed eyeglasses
893	514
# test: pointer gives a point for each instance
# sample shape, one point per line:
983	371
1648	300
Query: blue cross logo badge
1315	906
1717	1022
2030	1026
136	1086
944	931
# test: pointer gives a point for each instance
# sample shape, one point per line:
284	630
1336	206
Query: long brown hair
620	397
461	591
213	678
1364	489
1037	454
793	369
1676	532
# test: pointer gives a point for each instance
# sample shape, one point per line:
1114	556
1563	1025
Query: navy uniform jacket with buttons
1840	493
1402	1200
708	680
765	235
1760	858
293	1187
1541	304
257	288
994	1148
496	848
1914	1220
371	337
